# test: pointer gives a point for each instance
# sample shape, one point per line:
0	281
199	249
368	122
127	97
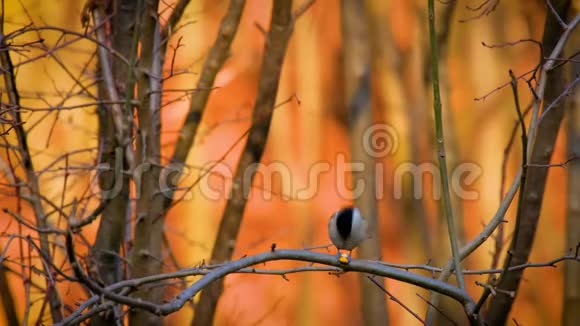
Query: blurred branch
175	17
443	30
485	8
542	136
218	54
281	26
443	34
447	208
34	195
302	8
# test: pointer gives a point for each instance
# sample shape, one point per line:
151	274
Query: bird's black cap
344	219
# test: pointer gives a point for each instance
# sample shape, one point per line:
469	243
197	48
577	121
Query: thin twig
489	290
393	298
33	185
21	220
485	8
435	308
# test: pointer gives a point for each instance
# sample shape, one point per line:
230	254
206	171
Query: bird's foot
343	258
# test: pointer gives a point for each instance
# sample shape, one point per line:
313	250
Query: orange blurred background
307	132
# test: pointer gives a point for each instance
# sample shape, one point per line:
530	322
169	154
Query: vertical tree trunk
115	180
571	311
146	254
357	76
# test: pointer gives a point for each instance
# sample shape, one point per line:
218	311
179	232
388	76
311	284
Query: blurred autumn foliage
309	141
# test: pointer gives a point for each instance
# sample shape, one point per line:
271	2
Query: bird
347	229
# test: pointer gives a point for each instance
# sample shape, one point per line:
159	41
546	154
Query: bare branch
279	254
556	14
